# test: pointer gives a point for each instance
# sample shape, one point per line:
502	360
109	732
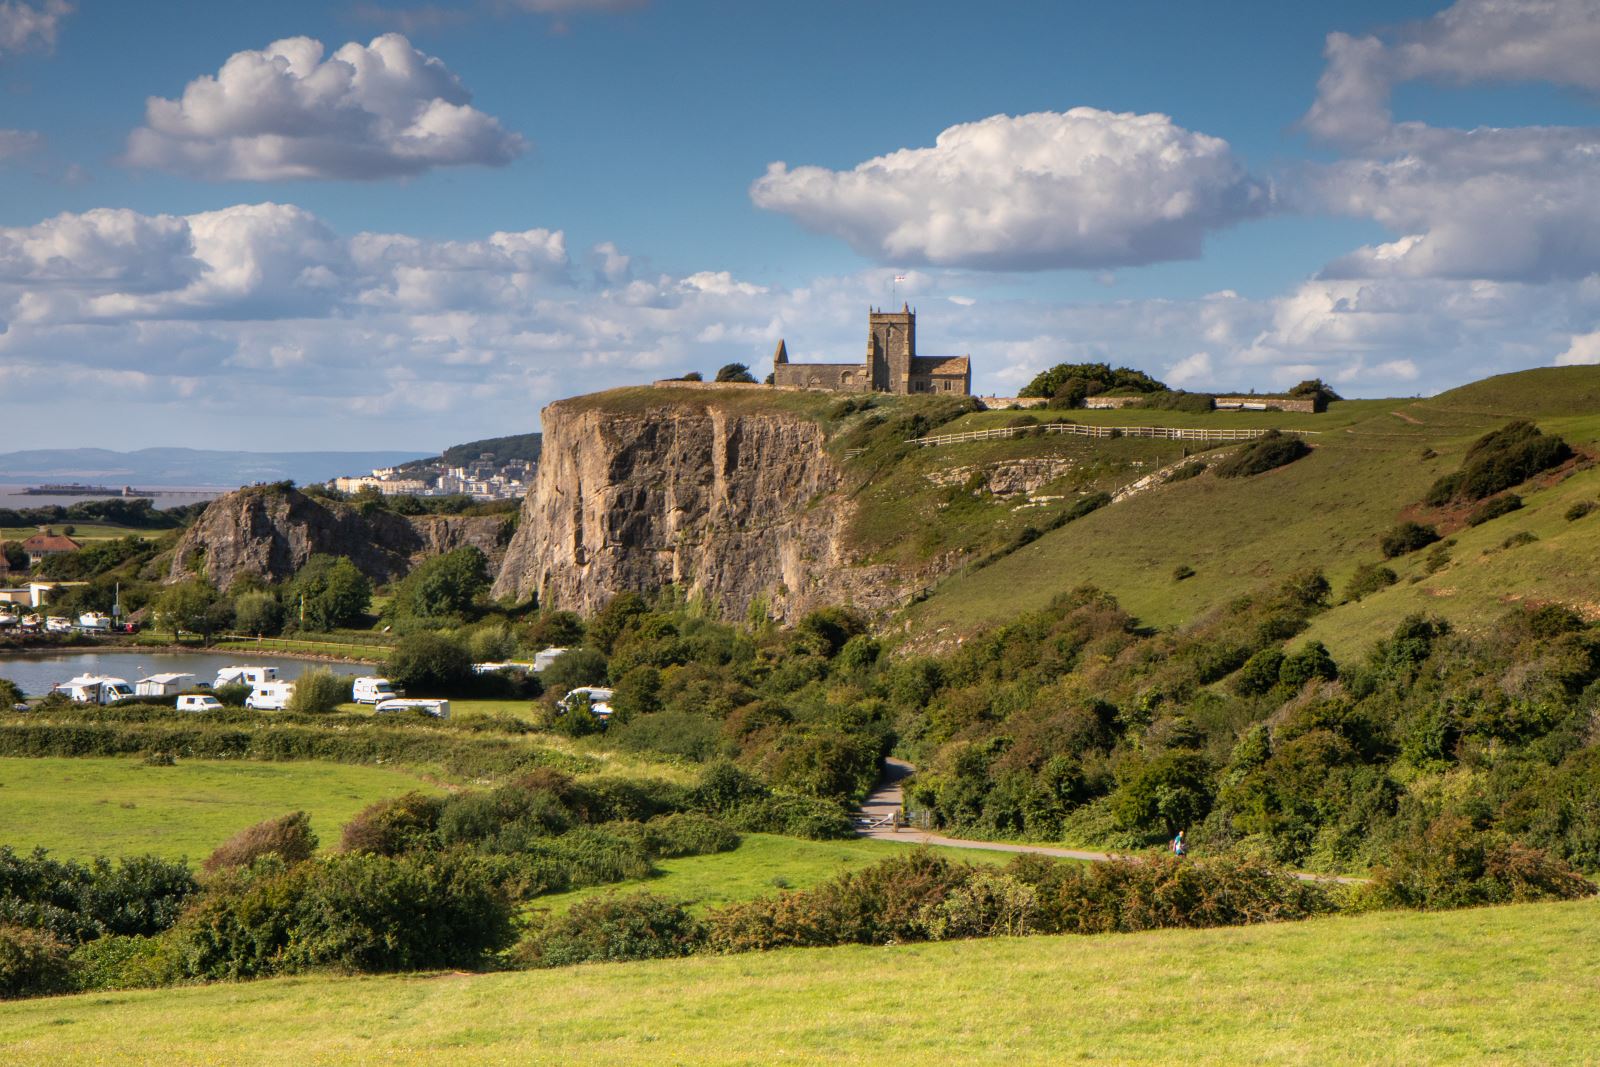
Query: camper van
599	700
439	709
373	690
256	676
96	689
269	696
199	702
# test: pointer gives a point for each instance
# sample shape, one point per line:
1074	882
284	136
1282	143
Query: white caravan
439	709
255	676
599	700
96	689
163	685
270	696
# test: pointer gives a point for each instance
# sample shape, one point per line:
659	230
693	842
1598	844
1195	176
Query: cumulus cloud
378	110
1082	188
29	27
1512	204
1583	348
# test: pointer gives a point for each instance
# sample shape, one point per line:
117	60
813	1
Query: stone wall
835	377
1110	403
1269	403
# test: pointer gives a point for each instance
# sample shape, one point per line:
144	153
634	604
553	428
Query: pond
36	673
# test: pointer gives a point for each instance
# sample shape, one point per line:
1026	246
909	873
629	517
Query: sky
346	224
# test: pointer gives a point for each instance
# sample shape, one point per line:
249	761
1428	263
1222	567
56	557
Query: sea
168	496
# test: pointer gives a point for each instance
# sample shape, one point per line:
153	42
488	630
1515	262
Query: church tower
891	345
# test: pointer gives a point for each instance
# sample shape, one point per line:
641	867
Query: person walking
1178	848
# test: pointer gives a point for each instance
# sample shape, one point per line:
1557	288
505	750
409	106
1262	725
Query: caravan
163	685
252	676
96	689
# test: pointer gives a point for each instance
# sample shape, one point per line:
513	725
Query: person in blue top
1177	845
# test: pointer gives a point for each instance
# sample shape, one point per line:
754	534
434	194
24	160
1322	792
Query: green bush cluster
1405	538
1268	452
1493	508
1499	460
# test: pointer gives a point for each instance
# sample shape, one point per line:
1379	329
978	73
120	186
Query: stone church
892	364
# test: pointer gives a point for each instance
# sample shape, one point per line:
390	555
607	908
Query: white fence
1165	433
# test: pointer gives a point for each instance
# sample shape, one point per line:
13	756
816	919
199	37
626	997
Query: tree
427	662
16	558
558	629
1066	384
329	592
736	372
193	606
258	613
1314	389
579	667
443	588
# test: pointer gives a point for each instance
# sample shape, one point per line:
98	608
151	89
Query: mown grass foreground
1504	985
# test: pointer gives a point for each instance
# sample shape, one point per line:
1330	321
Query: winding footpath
879	812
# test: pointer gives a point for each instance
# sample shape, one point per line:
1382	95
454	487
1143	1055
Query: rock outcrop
270	532
734	504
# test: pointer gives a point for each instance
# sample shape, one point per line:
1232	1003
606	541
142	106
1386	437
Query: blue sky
224	239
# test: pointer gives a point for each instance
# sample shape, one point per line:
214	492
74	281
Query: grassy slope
1502	985
1326	510
760	866
115	807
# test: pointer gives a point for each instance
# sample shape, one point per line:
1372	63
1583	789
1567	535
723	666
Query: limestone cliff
732	502
270	532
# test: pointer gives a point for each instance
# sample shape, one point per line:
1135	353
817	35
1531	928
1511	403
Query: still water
36	673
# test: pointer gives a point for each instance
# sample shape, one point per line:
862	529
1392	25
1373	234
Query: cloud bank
379	110
1081	188
26	27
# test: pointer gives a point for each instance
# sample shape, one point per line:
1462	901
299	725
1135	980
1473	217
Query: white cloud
378	110
26	27
1190	371
1083	188
1581	349
1508	204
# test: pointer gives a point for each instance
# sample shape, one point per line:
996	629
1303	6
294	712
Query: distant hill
155	467
502	450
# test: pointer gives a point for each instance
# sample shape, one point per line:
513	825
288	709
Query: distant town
499	468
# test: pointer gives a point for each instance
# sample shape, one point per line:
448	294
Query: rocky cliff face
270	532
734	506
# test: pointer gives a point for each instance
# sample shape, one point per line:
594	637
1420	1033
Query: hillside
1504	985
1372	462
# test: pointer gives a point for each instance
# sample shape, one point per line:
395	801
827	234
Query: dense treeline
139	513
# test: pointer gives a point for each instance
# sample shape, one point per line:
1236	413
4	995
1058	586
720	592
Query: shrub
119	962
1451	864
639	926
32	963
1312	661
10	695
1267	452
1182	571
1579	510
735	372
1520	538
319	690
288	837
686	834
234	695
1189	470
1369	578
1493	508
989	904
1164	795
1407	537
427	662
79	902
579	667
391	827
1499	460
354	912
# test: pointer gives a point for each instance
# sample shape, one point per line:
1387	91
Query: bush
1579	510
429	663
686	834
319	690
1260	673
1493	508
1520	538
1407	537
1312	661
33	963
1189	470
577	668
1451	864
1499	460
354	912
233	695
258	613
640	926
1182	571
1165	795
288	837
391	827
79	902
735	372
1267	452
1369	578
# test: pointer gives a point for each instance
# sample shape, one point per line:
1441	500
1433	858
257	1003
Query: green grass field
762	865
82	531
115	807
1513	985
